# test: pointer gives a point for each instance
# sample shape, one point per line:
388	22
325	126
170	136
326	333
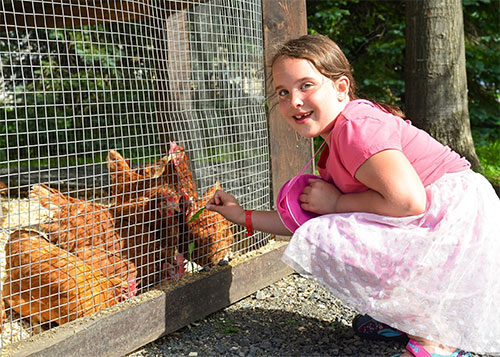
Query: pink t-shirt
363	129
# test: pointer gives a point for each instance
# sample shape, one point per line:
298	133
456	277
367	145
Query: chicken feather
166	194
87	230
210	232
149	212
49	284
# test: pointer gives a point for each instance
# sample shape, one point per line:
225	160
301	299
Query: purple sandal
417	350
366	327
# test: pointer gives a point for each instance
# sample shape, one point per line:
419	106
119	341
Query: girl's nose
296	99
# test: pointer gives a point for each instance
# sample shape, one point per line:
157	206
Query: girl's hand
228	206
320	197
264	221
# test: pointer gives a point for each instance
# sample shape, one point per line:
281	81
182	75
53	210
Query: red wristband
248	222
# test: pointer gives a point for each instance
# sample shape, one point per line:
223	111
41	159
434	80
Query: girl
406	232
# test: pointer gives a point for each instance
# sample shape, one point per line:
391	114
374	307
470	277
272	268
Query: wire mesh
118	121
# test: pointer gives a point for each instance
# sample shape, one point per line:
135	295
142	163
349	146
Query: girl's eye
307	85
282	92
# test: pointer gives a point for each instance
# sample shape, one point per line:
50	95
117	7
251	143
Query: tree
436	80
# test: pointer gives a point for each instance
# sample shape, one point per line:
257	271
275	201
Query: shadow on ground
261	332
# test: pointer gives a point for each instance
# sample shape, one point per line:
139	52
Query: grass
489	157
226	327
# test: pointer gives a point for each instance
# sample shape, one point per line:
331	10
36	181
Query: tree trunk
436	81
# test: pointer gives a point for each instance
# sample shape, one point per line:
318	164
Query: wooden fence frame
163	311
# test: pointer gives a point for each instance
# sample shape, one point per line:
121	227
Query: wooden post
283	20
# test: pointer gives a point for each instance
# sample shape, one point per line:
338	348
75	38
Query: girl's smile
301	117
308	101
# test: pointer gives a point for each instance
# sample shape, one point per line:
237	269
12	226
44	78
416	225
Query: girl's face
308	101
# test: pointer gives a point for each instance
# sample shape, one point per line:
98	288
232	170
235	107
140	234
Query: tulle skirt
436	275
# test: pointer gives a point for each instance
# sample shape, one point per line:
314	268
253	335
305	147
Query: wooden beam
134	323
75	13
283	20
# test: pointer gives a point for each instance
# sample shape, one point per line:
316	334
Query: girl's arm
395	189
264	221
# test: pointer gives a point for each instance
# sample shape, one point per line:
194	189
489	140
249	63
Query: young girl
407	232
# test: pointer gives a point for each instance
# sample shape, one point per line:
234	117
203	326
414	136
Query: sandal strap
416	349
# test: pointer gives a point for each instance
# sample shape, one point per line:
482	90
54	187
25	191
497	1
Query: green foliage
489	155
195	216
72	94
482	45
371	35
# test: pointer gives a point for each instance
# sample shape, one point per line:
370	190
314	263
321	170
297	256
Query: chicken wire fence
119	120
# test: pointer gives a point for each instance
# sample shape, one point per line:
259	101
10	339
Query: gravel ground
293	317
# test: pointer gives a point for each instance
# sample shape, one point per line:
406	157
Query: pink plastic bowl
288	202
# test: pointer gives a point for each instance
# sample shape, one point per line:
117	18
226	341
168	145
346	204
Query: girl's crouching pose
407	233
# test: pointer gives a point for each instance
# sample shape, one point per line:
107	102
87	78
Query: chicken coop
118	122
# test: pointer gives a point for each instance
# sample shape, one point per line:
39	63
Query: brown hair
328	59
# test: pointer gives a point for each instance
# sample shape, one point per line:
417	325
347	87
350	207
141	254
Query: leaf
196	215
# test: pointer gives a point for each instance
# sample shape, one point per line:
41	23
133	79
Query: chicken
210	232
154	206
152	251
149	214
73	219
87	230
171	172
49	284
165	199
143	195
151	233
126	181
159	173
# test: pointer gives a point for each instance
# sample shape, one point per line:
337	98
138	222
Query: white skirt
436	275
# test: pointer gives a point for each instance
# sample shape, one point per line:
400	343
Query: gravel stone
293	317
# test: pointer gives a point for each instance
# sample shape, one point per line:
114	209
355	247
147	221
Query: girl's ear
342	85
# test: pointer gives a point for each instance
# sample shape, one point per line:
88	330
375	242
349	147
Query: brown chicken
49	284
153	251
145	195
170	172
210	232
149	213
87	230
166	194
126	181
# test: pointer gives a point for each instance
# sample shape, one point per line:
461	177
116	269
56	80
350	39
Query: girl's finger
313	180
